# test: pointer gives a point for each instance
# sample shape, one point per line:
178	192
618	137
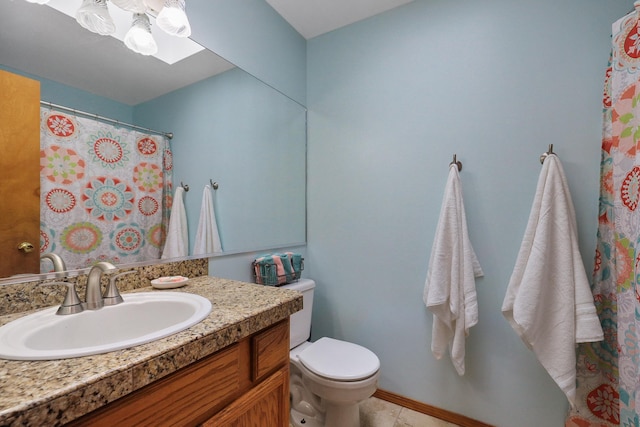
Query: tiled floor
376	412
380	413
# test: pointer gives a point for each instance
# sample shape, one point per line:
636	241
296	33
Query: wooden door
19	174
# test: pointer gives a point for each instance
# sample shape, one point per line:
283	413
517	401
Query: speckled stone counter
54	392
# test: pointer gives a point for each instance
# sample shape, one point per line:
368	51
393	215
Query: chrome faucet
94	299
58	262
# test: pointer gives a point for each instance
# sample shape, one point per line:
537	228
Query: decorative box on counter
278	269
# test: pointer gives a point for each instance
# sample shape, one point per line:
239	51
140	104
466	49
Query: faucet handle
71	303
112	295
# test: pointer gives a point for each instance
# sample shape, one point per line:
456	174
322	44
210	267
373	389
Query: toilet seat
339	360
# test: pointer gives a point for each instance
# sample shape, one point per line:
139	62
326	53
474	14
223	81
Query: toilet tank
301	320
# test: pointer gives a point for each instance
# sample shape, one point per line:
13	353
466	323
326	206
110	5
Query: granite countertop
58	391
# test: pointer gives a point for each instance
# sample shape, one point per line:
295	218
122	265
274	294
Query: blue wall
390	100
252	36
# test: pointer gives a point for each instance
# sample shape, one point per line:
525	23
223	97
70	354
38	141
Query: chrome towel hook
214	185
456	162
185	186
547	154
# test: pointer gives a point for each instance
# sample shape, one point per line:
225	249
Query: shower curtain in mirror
105	191
609	372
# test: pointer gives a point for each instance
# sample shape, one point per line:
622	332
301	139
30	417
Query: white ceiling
104	66
312	18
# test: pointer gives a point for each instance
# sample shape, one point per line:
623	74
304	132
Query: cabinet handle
25	247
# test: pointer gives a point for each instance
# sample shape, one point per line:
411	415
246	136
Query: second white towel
177	244
450	289
549	302
207	235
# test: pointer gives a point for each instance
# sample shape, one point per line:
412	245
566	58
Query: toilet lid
339	360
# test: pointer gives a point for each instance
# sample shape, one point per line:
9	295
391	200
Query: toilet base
335	416
311	410
342	415
298	419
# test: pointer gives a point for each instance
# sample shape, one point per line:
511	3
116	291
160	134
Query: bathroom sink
141	318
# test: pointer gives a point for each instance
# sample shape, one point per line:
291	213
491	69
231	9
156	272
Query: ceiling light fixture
173	18
139	38
94	16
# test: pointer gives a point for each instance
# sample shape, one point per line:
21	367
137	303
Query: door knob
25	247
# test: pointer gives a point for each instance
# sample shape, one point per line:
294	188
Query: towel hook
214	185
185	186
547	154
456	162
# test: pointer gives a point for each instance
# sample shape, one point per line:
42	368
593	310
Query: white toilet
328	377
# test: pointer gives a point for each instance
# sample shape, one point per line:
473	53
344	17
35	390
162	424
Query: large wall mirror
228	126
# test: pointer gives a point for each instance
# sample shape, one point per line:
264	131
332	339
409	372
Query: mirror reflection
228	127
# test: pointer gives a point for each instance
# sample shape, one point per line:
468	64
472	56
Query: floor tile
410	418
375	412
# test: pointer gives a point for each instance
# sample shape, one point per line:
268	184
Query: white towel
549	302
207	236
450	288
177	244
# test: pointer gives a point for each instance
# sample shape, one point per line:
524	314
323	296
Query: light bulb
135	6
94	16
139	38
173	19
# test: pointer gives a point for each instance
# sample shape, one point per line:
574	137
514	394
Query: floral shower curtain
609	372
105	191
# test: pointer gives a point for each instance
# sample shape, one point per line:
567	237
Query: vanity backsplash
20	297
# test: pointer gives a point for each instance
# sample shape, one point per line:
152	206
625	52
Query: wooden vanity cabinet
245	384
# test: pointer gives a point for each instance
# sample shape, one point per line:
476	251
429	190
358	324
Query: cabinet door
180	399
265	405
269	351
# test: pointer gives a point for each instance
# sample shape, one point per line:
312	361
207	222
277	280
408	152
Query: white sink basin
141	318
